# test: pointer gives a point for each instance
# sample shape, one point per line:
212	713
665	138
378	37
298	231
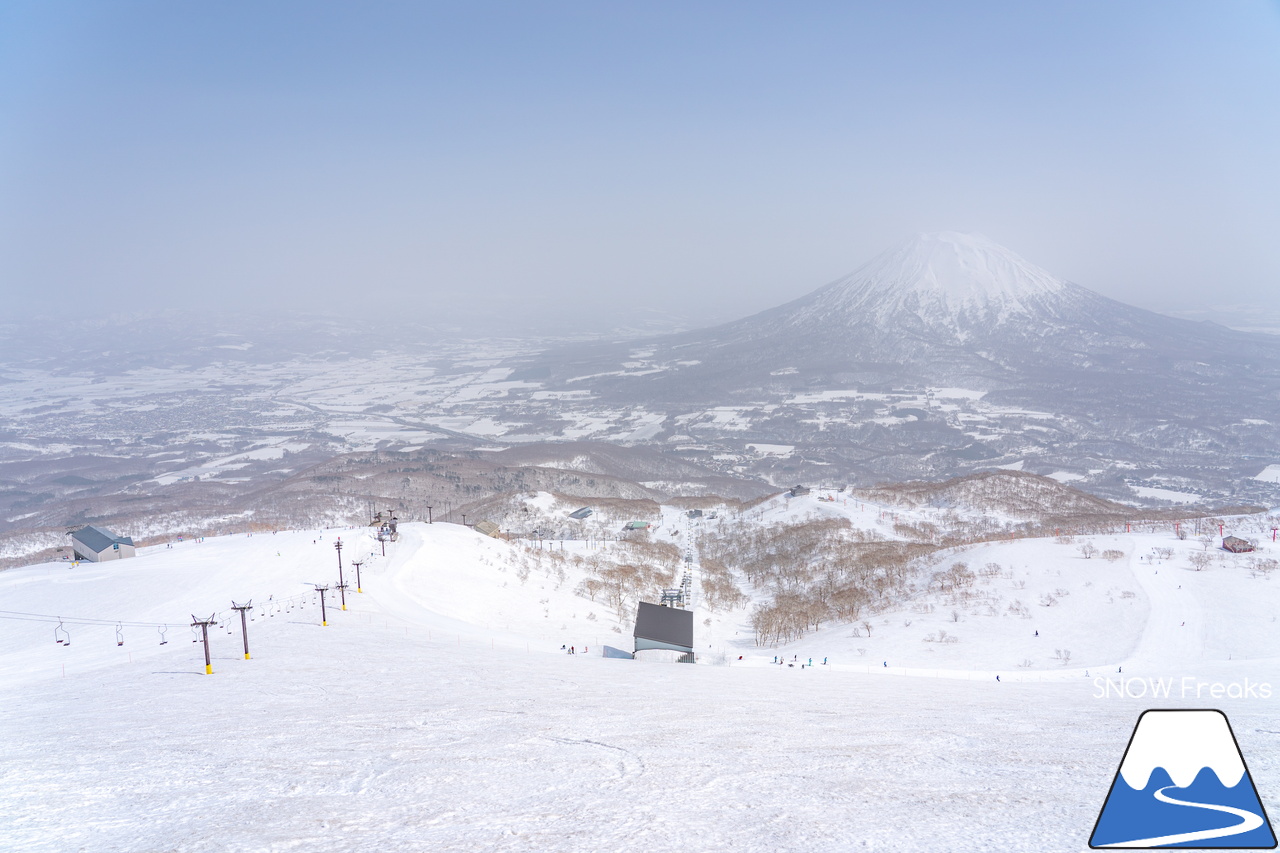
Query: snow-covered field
438	712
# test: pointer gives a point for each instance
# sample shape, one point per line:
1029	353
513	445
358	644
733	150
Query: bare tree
1087	550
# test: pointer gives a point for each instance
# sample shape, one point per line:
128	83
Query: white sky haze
707	159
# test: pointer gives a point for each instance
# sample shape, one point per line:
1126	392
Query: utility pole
204	632
357	565
324	620
341	585
244	627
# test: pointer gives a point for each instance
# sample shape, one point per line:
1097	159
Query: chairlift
119	635
160	629
195	635
65	639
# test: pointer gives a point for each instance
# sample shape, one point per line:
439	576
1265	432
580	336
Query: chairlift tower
690	557
204	635
324	620
244	626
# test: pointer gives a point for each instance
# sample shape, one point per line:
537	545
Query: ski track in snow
1174	634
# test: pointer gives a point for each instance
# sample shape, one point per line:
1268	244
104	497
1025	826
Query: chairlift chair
119	635
161	629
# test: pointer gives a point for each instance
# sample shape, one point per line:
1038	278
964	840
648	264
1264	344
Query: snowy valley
947	355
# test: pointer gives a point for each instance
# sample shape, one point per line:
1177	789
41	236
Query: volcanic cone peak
940	278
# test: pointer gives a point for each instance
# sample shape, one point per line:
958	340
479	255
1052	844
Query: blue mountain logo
1183	783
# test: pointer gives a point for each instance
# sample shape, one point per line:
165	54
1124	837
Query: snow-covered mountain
944	356
946	309
949	281
958	317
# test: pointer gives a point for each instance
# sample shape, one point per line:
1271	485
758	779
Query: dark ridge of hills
349	488
1016	493
1028	497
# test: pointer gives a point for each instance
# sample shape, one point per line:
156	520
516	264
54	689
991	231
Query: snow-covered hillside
439	712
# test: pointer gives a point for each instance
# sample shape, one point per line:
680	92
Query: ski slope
438	713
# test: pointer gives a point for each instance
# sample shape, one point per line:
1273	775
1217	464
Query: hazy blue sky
710	159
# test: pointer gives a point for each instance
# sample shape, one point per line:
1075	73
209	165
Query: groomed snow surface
437	713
